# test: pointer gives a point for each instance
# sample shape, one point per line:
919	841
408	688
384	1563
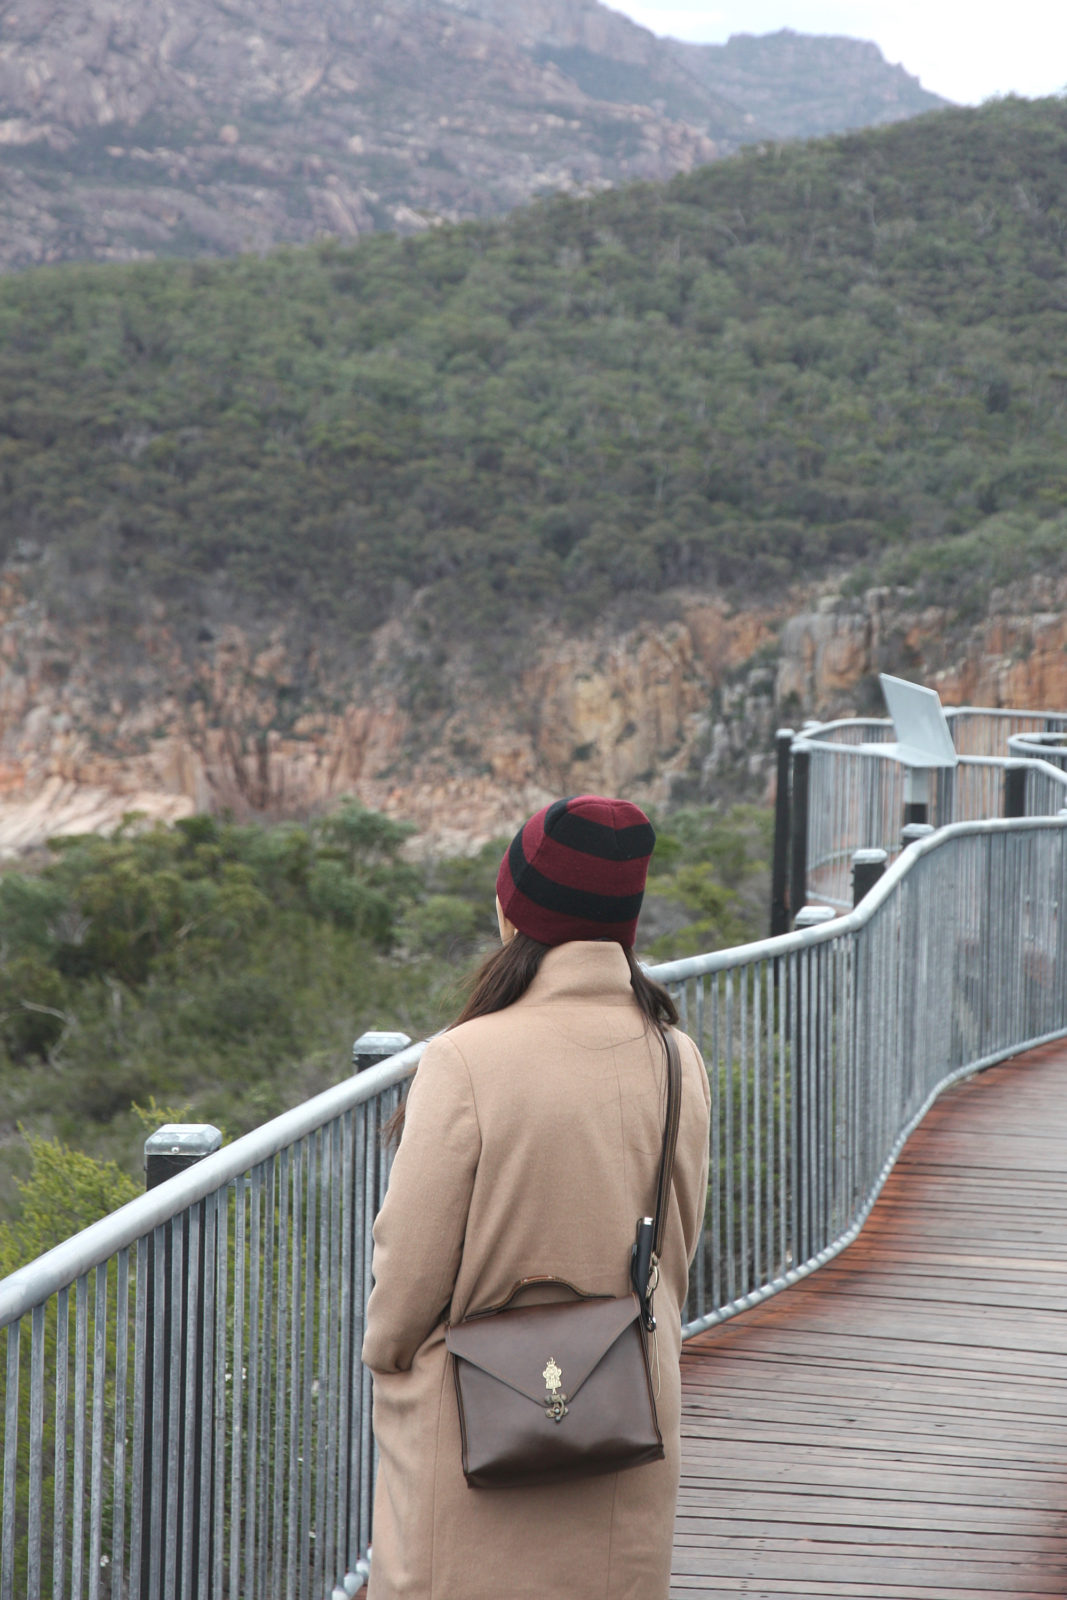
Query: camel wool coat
531	1146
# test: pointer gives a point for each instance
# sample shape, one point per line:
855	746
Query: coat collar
582	969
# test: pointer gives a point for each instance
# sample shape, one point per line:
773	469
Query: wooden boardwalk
895	1427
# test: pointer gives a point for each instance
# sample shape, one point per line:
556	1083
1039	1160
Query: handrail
784	944
1051	746
60	1266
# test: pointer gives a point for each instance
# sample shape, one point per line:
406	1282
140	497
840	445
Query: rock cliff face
679	710
135	128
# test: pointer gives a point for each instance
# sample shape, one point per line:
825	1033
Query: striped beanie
577	871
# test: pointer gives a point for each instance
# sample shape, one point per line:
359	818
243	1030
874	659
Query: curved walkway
895	1427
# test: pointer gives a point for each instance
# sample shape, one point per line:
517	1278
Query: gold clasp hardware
556	1409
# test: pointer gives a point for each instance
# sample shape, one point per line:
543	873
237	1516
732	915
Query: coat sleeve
418	1234
691	1172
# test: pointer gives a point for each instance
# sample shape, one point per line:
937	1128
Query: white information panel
923	735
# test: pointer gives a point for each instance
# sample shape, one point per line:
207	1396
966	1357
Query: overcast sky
964	51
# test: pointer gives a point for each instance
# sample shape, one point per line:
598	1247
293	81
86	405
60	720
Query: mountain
141	128
460	519
800	86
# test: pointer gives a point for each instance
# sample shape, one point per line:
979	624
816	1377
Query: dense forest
838	354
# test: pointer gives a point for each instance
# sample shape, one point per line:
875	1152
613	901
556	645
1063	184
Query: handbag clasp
556	1409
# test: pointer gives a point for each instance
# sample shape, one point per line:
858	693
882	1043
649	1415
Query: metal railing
826	1046
988	730
855	792
195	1420
976	730
1051	747
851	731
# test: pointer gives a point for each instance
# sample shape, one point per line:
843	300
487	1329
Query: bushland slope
458	519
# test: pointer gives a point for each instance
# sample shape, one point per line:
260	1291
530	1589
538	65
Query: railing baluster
298	1169
307	1397
77	1538
204	1400
322	1362
222	1258
96	1473
11	1435
34	1499
118	1470
237	1388
174	1284
281	1331
348	1357
189	1357
333	1376
254	1465
265	1342
139	1511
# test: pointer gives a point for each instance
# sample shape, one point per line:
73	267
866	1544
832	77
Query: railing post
1015	791
867	867
375	1046
176	1146
807	1107
798	826
783	745
170	1150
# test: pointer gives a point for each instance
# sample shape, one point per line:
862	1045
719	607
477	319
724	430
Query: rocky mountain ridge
136	128
670	711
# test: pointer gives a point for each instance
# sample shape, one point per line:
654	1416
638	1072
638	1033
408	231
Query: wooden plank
895	1427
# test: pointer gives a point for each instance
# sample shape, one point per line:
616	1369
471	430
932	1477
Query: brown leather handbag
549	1393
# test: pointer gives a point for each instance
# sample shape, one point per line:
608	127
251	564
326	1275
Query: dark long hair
506	974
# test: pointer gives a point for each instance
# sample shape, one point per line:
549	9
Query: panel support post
917	795
1015	791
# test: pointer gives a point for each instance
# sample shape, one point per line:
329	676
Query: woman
531	1146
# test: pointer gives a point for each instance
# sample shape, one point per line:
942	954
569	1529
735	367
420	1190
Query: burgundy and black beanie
577	871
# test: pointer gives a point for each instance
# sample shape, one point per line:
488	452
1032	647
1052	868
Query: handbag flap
516	1346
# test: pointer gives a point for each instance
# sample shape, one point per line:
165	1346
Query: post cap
870	858
813	916
193	1139
376	1045
916	830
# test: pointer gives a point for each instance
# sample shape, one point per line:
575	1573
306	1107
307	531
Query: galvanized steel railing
856	794
826	1046
1051	747
976	730
988	730
195	1420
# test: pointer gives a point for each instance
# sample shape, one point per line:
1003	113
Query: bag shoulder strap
670	1140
